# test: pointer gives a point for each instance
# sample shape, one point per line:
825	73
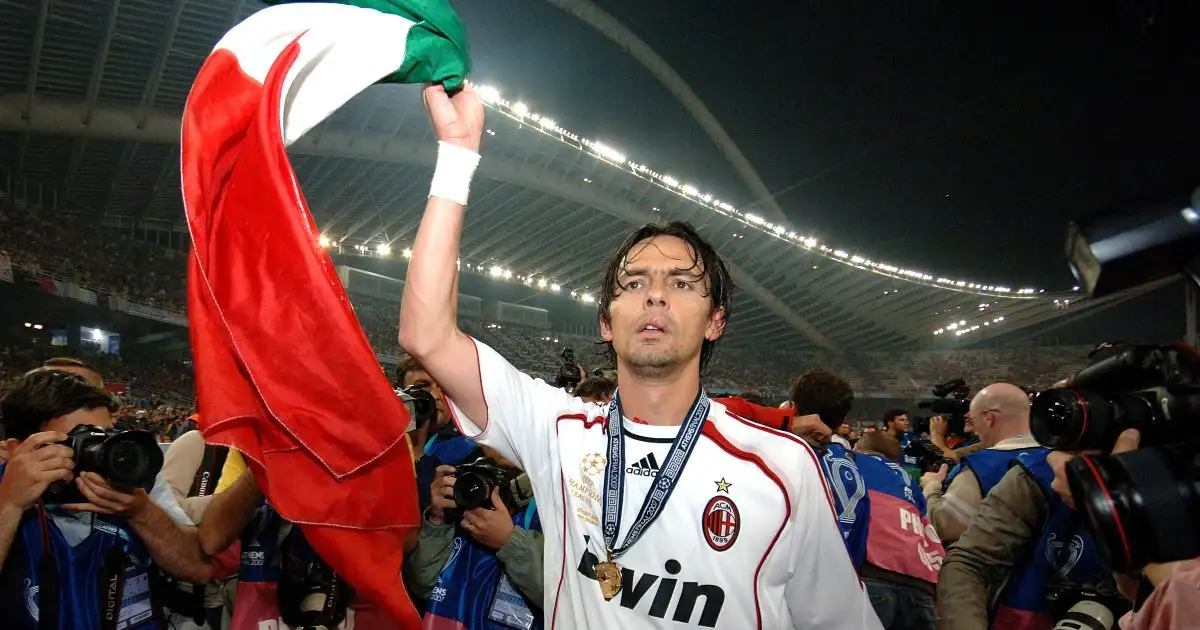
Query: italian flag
284	373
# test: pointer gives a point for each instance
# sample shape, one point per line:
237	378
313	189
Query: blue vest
849	477
849	498
439	451
450	451
990	465
1064	555
882	475
474	591
80	573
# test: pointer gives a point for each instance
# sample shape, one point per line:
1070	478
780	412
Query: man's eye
634	284
682	284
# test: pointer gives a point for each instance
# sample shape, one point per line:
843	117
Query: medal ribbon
664	483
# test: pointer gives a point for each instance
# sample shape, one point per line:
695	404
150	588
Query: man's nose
656	295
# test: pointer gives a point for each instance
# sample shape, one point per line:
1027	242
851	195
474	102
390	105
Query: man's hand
105	499
441	493
937	430
1127	441
33	467
939	476
811	428
458	118
490	528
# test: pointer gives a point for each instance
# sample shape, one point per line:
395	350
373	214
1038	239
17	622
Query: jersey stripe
711	432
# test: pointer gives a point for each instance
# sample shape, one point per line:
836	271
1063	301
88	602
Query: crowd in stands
114	263
101	259
154	395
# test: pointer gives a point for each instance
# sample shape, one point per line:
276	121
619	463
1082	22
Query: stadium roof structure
90	99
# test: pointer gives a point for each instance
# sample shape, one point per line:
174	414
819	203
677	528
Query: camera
1155	389
928	456
953	401
474	482
1143	505
420	404
126	459
310	594
568	373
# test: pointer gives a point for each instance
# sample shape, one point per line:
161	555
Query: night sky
957	137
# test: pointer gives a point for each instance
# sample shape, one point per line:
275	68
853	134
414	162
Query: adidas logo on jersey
635	587
644	467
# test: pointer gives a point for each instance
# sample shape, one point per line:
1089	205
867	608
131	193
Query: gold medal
608	574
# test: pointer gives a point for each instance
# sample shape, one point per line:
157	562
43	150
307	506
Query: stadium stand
114	263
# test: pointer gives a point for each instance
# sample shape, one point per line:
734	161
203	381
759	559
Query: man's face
844	429
982	420
900	423
662	312
421	380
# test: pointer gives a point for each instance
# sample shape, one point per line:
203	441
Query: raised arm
428	314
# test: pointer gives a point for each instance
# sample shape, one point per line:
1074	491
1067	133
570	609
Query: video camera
1143	505
929	457
474	482
1155	389
952	402
126	460
568	373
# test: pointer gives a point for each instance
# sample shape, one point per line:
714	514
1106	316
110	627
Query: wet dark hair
704	258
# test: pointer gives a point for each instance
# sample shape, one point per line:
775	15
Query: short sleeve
162	496
521	410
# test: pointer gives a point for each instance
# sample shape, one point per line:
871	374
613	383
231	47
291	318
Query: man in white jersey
738	531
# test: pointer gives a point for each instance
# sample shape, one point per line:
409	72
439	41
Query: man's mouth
652	327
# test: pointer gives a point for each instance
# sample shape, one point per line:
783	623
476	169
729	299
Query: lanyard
664	483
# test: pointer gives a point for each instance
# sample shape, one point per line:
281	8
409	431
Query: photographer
1027	551
438	441
880	510
895	423
1163	594
953	447
56	557
282	582
1000	413
489	556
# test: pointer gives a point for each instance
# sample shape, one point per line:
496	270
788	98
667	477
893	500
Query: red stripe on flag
284	373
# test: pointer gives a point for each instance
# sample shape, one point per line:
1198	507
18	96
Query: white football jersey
748	538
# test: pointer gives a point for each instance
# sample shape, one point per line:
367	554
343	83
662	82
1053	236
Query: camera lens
131	459
1077	419
471	490
1143	505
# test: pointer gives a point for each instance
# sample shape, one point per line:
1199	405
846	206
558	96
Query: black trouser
901	607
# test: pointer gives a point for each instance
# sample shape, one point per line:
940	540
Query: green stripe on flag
436	50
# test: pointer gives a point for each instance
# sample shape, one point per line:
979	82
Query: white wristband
452	176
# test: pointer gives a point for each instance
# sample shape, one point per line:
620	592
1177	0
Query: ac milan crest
721	523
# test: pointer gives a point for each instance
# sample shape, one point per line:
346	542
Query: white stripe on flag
343	50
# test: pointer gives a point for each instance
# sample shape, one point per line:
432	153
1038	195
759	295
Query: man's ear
716	324
605	329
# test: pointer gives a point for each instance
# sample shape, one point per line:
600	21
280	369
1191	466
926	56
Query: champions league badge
593	464
721	523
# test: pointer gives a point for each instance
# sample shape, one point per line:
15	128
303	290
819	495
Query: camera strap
48	584
112	586
207	475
